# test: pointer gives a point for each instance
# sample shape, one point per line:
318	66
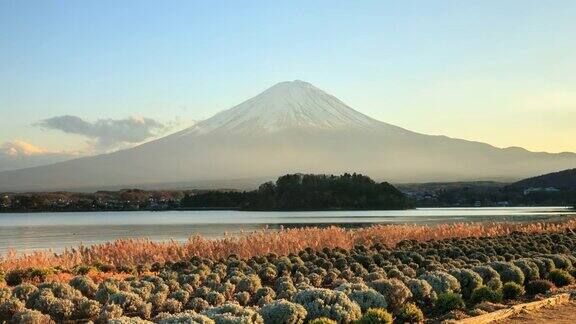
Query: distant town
547	190
122	200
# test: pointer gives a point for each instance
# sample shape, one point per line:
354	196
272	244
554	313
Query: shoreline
2	211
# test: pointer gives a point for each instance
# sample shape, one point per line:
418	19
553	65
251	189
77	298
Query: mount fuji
290	127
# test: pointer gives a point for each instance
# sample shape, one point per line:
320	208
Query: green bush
441	282
249	284
368	298
328	303
24	291
15	277
31	316
512	290
104	267
394	291
508	272
468	279
283	312
410	313
376	316
86	308
10	307
490	277
197	304
184	317
322	320
560	277
233	313
539	287
560	261
5	294
83	269
448	302
529	269
108	312
85	285
485	293
61	309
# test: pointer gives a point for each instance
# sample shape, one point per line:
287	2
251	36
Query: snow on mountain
291	104
290	127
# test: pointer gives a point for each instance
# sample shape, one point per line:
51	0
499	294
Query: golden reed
130	252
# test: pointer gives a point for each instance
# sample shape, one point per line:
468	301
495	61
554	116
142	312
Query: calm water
27	232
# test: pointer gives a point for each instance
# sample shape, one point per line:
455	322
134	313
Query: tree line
307	192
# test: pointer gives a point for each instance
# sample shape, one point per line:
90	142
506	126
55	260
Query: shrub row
358	285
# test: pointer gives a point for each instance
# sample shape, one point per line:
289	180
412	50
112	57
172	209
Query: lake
26	232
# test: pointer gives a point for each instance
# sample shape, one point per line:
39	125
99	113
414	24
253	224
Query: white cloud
104	135
112	134
107	133
17	154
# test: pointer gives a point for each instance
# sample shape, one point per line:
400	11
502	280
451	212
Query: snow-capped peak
287	105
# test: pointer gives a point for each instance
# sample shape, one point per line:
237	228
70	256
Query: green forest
307	192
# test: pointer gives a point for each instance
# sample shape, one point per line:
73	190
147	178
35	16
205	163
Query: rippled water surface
34	231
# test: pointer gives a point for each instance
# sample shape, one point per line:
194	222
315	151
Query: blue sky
503	72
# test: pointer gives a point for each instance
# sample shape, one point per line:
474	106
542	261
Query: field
411	273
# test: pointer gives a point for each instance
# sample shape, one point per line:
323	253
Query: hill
562	180
291	127
307	192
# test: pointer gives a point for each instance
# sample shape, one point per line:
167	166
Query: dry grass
143	251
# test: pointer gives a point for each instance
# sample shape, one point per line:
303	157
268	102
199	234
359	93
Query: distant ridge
292	127
563	180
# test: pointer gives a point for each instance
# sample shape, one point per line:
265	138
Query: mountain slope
564	180
287	105
289	128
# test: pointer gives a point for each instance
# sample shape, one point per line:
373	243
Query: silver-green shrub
283	312
529	269
188	317
197	304
233	314
85	285
105	290
23	291
442	282
128	320
29	316
394	291
5	294
508	272
85	308
61	309
108	312
468	280
171	306
10	307
490	277
61	290
129	302
336	305
242	297
250	284
367	299
421	290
